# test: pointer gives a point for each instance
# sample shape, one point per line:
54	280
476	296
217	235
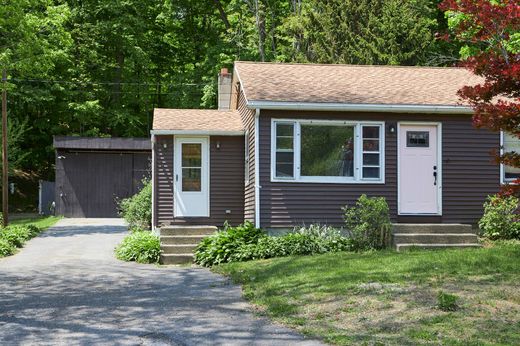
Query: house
293	143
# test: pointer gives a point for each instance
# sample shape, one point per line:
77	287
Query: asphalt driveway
66	287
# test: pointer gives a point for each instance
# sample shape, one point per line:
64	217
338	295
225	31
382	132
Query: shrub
447	302
500	219
368	222
140	246
219	247
18	235
137	210
6	248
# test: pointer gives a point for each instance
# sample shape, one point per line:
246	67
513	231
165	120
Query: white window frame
503	180
358	152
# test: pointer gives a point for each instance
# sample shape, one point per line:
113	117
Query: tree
490	30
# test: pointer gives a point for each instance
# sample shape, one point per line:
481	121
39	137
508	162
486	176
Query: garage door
89	184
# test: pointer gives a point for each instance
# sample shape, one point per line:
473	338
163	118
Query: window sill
313	181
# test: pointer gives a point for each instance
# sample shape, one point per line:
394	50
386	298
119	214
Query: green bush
219	247
368	222
137	210
6	248
500	219
17	235
140	246
447	302
244	243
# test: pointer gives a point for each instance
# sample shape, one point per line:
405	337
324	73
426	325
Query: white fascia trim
241	84
257	169
153	181
360	107
197	132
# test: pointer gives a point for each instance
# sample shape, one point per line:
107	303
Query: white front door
419	169
191	176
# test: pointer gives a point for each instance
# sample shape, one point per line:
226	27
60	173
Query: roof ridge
349	65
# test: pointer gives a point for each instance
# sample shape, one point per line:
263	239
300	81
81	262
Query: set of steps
179	242
433	236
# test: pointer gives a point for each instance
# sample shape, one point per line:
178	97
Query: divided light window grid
327	151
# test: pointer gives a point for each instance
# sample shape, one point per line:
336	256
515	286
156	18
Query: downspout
257	169
153	182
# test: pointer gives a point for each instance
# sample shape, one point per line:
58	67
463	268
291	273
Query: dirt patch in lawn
400	314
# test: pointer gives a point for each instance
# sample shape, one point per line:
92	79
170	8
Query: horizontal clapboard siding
226	182
469	174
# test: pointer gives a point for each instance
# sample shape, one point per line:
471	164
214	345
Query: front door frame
205	174
439	164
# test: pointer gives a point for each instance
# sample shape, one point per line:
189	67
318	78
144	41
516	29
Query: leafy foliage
501	219
139	246
17	235
137	210
247	243
368	222
490	31
220	246
6	248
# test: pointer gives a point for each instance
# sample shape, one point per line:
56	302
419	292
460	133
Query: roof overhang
359	107
197	132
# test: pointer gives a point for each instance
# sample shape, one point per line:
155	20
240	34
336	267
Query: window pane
191	154
371	132
371	159
511	144
418	139
191	179
370	172
284	164
327	150
371	145
284	143
284	130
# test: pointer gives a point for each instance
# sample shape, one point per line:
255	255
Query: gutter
198	132
360	107
257	169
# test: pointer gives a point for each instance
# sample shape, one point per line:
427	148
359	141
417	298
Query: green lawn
391	298
42	222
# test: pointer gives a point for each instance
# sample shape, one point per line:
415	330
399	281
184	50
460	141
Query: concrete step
435	238
181	239
176	259
187	230
404	247
436	228
178	249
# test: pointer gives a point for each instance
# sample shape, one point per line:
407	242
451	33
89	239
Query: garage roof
197	121
96	143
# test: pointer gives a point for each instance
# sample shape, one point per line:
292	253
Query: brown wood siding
469	174
248	118
226	182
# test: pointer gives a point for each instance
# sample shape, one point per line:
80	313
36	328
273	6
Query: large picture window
510	144
327	151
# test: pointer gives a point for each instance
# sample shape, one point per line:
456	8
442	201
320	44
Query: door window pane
284	156
191	179
420	139
327	150
191	154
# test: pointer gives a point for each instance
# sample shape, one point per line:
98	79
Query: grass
42	222
391	298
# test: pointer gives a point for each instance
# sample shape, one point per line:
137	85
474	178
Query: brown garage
93	173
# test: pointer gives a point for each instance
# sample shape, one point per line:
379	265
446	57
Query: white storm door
419	170
191	177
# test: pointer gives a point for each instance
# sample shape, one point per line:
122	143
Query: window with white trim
327	151
510	143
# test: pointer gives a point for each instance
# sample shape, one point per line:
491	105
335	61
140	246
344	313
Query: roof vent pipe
224	89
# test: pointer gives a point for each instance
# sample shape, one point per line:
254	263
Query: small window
284	133
418	139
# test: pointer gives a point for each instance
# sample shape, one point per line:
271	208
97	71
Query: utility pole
5	188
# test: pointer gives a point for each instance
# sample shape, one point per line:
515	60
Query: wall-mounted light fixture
61	157
391	128
165	145
218	144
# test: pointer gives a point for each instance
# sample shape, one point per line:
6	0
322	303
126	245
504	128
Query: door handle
435	175
176	177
